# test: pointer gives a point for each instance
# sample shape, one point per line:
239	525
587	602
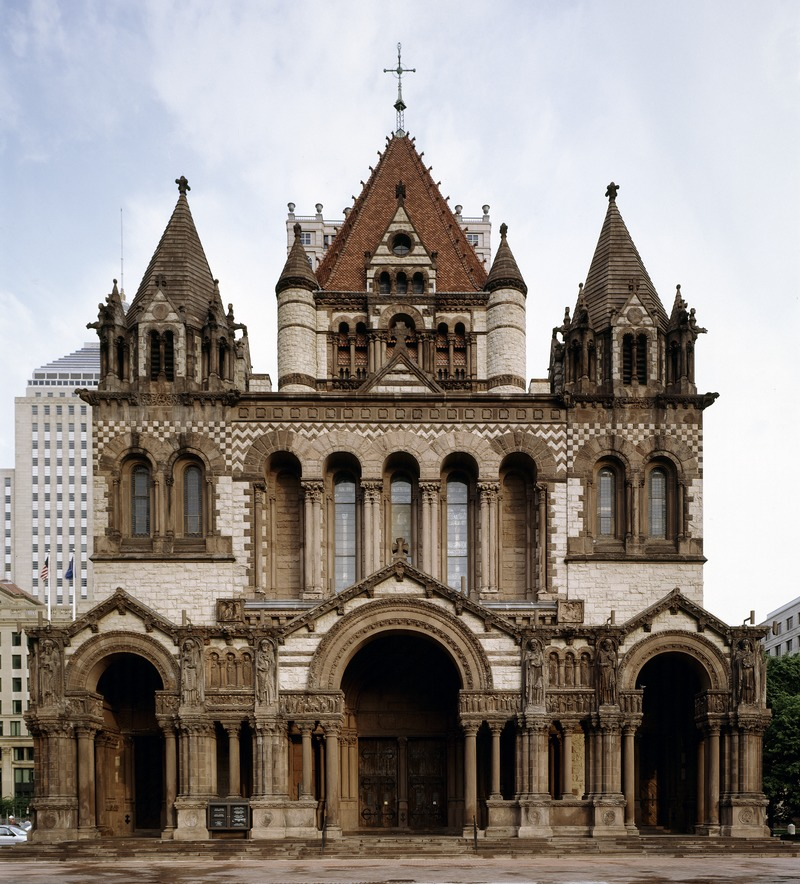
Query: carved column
701	782
488	519
372	520
470	775
259	489
493	536
496	794
567	730
313	537
712	775
541	547
306	785
332	732
629	781
87	819
234	766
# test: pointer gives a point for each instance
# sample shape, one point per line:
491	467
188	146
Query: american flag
45	568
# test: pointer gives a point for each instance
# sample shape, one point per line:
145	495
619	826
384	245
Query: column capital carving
489	489
312	490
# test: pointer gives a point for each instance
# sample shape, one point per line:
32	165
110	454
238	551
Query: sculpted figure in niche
746	677
49	672
534	674
265	672
585	672
569	671
191	673
552	667
607	671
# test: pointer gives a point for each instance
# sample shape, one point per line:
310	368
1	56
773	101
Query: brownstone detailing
507	380
297	379
430	492
313	546
488	493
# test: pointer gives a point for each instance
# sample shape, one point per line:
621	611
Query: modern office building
783	636
51	485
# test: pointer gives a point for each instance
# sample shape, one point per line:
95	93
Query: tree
782	739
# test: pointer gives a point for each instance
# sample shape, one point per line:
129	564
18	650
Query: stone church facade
407	591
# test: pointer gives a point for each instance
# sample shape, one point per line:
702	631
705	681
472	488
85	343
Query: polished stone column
566	760
306	784
332	775
701	782
629	751
170	777
234	766
496	729
470	775
86	776
402	782
712	775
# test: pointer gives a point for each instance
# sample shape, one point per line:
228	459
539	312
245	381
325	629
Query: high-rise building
51	484
408	589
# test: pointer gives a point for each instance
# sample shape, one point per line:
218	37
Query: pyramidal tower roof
616	271
505	272
297	272
179	266
458	267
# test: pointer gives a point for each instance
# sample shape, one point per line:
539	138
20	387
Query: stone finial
297	231
611	192
503	230
183	185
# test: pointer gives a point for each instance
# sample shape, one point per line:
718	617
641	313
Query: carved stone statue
607	673
746	673
191	673
49	672
265	672
534	674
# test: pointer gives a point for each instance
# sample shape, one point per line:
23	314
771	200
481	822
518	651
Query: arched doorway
129	749
401	696
668	742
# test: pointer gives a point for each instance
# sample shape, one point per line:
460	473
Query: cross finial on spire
399	105
611	192
183	185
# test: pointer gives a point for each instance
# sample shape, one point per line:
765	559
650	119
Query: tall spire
399	105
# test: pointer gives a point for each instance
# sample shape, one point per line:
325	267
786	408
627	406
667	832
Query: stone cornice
659	400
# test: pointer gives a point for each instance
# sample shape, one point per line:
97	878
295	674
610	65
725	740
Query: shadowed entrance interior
401	695
668	743
129	749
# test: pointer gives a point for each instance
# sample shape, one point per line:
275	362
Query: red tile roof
458	267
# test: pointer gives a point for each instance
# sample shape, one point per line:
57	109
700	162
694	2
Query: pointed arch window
140	501
344	506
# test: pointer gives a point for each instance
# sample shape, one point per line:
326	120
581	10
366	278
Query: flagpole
47	585
72	585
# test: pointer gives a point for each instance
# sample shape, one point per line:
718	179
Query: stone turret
297	321
505	321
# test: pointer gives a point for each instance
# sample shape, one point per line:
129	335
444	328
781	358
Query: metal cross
399	105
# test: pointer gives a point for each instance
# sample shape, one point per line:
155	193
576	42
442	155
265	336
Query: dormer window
401	244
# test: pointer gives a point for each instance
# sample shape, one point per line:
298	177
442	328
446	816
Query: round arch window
401	244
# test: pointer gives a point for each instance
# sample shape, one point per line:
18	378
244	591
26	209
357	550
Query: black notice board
228	815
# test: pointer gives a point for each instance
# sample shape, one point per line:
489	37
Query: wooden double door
402	783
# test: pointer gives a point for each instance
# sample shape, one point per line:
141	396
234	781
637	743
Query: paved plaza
476	870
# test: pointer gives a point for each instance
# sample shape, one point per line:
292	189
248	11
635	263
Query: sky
531	106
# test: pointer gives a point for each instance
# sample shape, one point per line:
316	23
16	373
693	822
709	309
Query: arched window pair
189	482
659	502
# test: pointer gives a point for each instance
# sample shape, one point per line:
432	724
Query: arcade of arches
408	722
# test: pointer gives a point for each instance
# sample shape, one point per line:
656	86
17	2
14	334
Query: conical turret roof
297	272
505	272
617	270
180	267
458	267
